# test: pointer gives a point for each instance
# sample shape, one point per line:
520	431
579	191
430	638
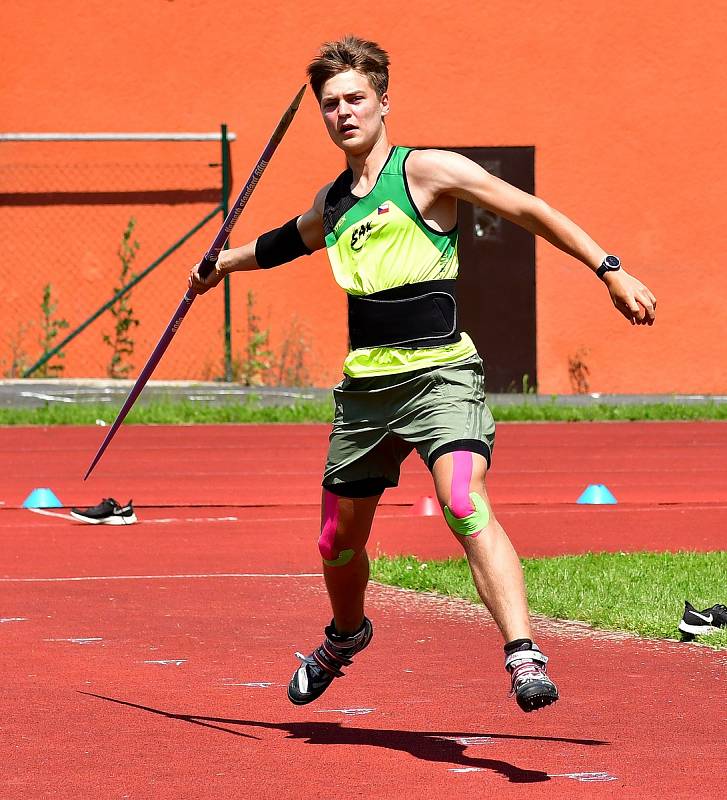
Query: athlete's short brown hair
350	53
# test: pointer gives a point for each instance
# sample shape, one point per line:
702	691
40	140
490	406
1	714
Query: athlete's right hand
199	285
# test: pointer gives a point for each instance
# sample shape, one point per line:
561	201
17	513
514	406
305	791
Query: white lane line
46	513
167	520
192	519
246	520
13	619
165	661
164	577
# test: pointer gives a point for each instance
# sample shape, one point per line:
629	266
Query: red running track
151	661
234	465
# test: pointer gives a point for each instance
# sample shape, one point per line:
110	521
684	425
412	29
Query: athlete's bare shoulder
438	170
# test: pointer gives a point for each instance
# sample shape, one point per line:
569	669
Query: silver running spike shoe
530	684
326	662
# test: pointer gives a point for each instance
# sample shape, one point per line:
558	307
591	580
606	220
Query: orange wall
624	103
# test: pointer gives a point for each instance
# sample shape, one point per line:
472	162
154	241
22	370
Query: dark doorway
496	286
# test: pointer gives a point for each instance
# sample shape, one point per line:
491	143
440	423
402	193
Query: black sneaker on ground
317	671
699	623
719	615
530	684
107	512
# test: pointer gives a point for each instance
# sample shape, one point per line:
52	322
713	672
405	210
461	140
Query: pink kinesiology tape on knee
330	523
461	505
329	529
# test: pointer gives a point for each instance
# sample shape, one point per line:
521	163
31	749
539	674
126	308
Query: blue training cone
42	498
597	494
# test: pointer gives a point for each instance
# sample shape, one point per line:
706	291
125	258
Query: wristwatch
609	264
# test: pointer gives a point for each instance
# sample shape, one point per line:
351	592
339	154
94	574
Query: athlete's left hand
634	300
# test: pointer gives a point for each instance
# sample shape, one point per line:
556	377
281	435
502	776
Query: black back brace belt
412	316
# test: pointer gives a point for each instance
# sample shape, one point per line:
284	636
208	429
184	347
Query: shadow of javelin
438	746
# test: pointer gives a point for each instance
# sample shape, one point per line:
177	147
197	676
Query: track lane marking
47	513
69	579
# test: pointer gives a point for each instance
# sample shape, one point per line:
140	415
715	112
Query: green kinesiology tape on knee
474	522
343	558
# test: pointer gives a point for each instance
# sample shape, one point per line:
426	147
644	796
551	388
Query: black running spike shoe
698	623
532	687
317	671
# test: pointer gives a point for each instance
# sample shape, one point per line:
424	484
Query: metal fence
99	232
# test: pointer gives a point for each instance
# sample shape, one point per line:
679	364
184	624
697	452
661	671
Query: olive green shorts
380	420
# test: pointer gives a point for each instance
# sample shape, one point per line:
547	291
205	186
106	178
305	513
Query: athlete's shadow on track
442	746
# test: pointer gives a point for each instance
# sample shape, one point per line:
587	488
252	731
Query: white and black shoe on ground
530	684
699	623
317	671
107	512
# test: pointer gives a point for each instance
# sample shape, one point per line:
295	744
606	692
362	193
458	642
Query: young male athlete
411	378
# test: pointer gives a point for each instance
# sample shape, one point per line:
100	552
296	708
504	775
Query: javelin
207	264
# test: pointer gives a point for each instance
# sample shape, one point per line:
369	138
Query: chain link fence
80	220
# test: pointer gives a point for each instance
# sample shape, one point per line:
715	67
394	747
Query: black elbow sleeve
281	245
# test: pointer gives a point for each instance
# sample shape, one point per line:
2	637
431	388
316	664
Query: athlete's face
352	111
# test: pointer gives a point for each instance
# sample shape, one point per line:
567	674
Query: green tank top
380	241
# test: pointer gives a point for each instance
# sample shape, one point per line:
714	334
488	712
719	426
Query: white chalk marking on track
586	777
260	685
352	712
70	579
165	661
13	619
469	741
78	640
466	769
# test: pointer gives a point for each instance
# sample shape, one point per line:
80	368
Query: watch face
612	262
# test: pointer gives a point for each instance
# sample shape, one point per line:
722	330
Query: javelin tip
297	101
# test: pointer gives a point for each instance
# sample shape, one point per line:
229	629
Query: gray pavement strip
35	394
40	393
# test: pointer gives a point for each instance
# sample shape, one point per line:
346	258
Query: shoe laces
526	672
526	666
326	658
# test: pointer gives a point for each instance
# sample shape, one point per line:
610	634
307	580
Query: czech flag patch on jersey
383	209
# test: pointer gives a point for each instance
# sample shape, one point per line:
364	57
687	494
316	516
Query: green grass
553	412
168	413
158	412
642	593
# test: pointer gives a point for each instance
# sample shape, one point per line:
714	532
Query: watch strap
607	267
